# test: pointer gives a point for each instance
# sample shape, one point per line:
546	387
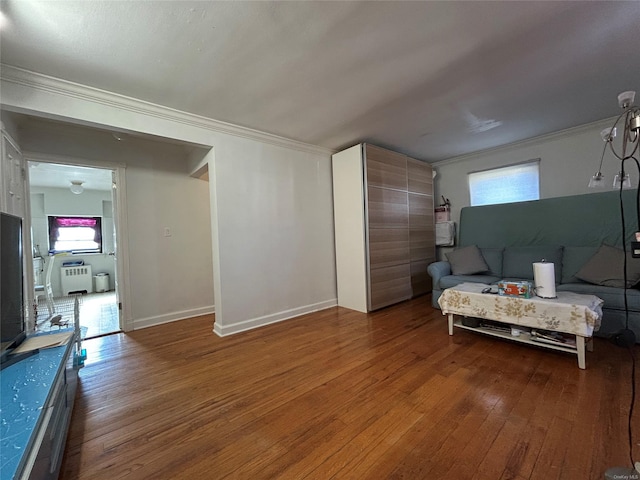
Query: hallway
98	314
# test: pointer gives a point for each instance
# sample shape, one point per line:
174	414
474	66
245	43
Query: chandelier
629	123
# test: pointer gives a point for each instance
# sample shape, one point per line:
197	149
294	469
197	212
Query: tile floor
98	313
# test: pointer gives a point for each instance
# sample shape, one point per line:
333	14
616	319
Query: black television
12	303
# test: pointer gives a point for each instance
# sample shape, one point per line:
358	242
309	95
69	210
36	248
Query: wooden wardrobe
384	226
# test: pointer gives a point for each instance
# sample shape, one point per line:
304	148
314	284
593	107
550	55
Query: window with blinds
75	234
514	183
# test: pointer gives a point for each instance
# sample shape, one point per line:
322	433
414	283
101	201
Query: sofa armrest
437	270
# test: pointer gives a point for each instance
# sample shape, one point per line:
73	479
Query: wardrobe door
387	208
419	177
390	285
387	227
388	247
421	225
386	169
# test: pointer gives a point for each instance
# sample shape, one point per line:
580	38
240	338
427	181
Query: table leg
590	345
451	324
581	356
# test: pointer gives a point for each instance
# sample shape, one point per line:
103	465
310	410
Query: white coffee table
569	313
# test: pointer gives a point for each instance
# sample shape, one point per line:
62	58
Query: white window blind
515	183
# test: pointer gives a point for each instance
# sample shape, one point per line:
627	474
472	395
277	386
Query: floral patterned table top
570	312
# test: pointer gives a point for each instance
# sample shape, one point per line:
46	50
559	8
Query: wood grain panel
422	244
387	208
419	177
390	285
386	168
388	246
420	210
421	281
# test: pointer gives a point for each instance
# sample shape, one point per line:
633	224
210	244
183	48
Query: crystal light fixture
622	178
597	181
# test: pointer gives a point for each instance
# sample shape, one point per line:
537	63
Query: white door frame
120	223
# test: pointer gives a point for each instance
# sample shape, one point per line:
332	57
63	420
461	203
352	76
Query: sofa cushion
613	297
606	268
493	257
517	262
467	261
453	280
573	259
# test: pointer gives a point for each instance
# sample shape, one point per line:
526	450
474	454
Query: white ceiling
430	79
60	176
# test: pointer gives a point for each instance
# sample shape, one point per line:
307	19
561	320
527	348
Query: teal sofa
567	231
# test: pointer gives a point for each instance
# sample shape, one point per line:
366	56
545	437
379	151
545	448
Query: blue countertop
24	388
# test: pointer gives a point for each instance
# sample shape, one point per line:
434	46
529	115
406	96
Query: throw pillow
573	259
606	268
467	261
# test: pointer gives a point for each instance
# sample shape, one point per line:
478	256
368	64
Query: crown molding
606	122
46	83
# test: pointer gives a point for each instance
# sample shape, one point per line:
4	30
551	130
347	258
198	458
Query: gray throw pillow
573	259
467	261
606	268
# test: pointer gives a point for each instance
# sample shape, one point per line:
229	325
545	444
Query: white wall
275	233
271	201
47	201
568	159
170	277
172	274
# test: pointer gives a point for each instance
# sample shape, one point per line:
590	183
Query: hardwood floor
341	394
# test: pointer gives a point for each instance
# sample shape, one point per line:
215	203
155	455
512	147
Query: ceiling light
621	180
608	134
625	99
629	122
76	187
597	181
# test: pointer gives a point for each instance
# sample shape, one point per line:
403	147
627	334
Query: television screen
12	326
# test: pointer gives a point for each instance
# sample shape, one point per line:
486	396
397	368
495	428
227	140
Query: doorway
73	228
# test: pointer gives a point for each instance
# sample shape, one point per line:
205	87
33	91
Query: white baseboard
252	323
172	317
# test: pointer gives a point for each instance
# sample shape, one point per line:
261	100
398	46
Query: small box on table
515	289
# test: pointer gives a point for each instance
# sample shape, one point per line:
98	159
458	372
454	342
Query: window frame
53	230
506	177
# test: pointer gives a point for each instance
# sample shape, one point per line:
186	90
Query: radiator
76	279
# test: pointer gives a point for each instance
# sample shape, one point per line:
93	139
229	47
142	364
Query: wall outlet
167	232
